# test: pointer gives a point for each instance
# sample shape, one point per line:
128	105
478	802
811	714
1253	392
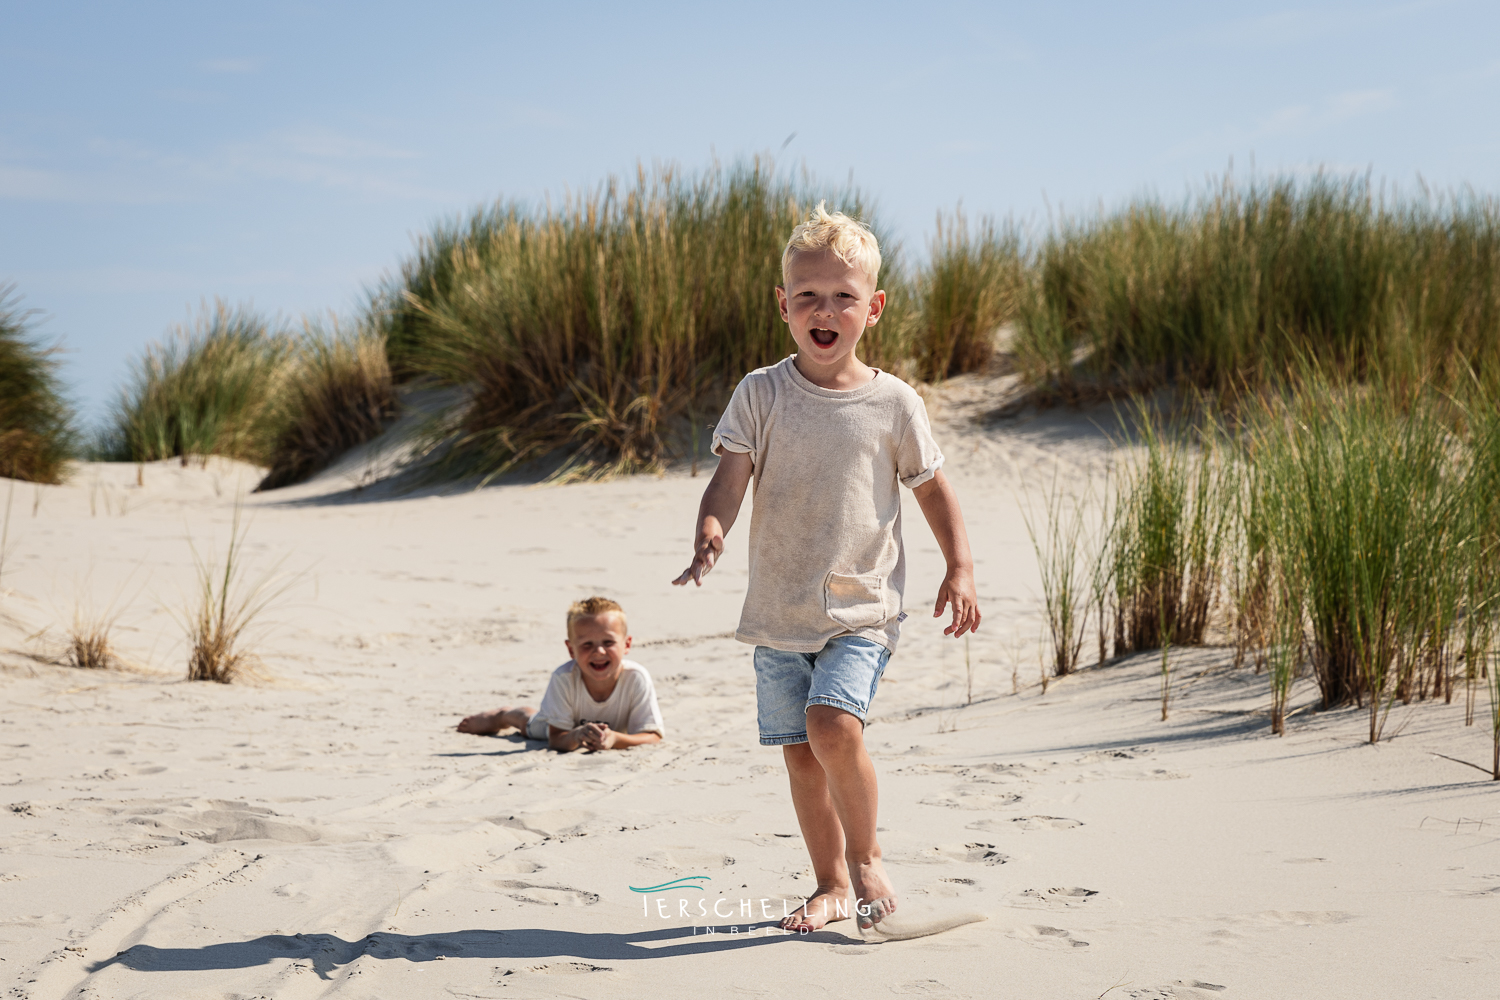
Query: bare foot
490	723
874	896
829	903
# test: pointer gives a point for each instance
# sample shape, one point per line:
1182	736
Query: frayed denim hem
847	706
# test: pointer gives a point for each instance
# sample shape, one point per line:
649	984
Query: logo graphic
686	882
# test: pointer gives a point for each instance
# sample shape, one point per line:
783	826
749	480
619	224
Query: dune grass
1351	528
337	393
1231	288
86	642
36	425
221	620
233	384
1168	538
210	388
592	328
970	285
1369	520
1061	545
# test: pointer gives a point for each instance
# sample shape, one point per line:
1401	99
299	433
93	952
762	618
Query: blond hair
593	607
851	241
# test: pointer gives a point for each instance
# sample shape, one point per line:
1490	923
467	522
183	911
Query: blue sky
153	155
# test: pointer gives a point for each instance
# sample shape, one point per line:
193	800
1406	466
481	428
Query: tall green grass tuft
1368	522
1233	287
234	385
1168	538
221	622
209	389
36	425
592	328
1062	552
335	395
970	286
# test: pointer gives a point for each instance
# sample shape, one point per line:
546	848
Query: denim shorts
843	674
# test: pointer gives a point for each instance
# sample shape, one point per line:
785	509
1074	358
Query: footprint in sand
921	988
506	977
1048	937
1064	896
1045	823
985	854
222	822
548	895
984	801
685	859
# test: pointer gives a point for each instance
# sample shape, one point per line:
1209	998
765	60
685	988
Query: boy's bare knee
799	757
832	727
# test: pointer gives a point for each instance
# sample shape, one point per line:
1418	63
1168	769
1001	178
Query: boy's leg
837	741
824	837
783	682
489	723
845	675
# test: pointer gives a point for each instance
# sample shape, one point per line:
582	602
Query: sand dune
321	830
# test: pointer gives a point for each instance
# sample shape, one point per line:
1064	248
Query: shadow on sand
328	952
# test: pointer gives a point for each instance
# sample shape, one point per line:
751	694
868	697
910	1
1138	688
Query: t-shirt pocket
855	602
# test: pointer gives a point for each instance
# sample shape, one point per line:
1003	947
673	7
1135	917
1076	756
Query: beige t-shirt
630	708
825	535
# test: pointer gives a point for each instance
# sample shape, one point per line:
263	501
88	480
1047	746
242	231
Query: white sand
323	831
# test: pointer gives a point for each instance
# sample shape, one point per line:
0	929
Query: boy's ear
781	303
629	639
877	306
569	643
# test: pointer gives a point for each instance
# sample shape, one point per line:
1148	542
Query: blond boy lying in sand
598	700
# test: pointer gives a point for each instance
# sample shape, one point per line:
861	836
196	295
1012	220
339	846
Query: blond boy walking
828	441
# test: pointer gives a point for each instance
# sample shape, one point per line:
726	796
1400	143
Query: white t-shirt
630	708
825	533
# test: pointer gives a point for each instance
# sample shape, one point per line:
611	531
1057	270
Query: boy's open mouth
824	338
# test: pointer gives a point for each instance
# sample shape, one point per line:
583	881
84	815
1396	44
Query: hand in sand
958	589
596	736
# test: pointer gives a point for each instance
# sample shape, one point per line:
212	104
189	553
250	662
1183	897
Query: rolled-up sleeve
918	457
736	429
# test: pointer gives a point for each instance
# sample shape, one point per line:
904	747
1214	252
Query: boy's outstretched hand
958	590
940	507
706	552
717	513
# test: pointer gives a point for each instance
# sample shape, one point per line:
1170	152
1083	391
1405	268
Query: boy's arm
597	736
717	513
940	506
622	741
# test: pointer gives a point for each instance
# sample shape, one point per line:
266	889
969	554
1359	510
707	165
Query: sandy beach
319	828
